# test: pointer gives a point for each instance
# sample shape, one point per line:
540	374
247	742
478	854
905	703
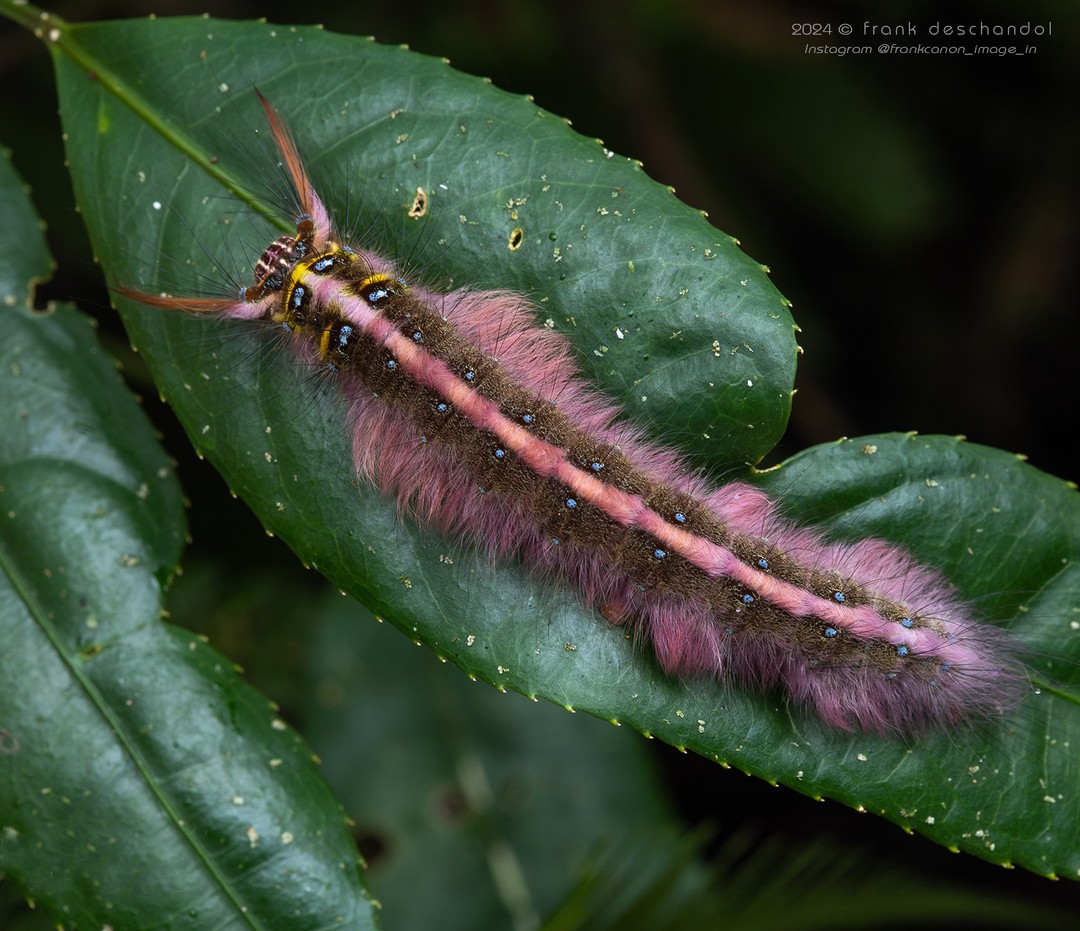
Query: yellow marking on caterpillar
377	279
324	341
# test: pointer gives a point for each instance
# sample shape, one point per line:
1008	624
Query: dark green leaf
144	784
1007	536
163	128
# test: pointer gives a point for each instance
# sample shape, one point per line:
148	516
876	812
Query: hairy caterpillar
476	419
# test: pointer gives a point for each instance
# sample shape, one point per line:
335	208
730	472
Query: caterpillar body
480	424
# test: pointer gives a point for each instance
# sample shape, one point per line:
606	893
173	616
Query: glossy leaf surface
667	317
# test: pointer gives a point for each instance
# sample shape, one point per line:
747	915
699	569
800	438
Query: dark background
921	213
